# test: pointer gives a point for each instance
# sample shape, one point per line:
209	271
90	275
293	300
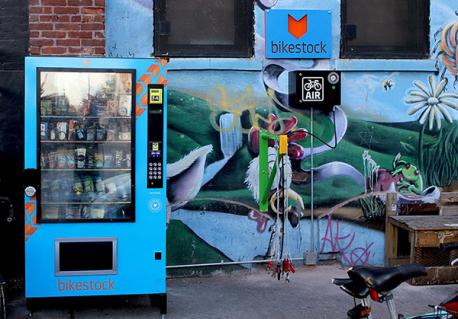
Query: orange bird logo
297	27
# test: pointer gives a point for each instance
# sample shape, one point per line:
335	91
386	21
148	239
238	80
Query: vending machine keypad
155	169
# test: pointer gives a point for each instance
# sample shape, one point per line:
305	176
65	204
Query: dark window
203	28
90	256
385	29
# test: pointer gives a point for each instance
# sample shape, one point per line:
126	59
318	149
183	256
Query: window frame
244	35
382	52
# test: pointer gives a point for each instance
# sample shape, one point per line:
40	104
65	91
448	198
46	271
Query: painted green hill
189	127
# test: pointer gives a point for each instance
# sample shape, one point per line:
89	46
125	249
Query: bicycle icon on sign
313	85
312	89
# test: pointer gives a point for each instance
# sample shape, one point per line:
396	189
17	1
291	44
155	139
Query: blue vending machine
95	200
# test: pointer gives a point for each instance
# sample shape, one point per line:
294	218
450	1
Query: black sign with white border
318	89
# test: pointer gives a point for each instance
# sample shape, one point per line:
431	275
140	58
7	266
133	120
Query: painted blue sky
129	34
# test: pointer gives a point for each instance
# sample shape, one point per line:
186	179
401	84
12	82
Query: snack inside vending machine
95	154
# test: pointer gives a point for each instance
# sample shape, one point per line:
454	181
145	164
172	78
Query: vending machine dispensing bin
95	200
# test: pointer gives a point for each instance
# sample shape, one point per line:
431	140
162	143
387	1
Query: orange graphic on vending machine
144	80
30	218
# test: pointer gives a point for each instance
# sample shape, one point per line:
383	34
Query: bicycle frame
2	299
391	306
393	314
364	310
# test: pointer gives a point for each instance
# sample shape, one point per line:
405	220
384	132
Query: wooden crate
438	276
449	198
425	234
449	211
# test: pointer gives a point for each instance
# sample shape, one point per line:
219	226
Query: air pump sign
298	34
318	89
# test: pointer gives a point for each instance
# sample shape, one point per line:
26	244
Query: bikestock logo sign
298	34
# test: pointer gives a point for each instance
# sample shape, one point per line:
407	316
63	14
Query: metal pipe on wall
312	228
229	263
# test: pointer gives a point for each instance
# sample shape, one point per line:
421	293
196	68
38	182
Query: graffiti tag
343	244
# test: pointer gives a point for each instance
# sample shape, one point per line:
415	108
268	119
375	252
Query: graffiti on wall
388	134
342	243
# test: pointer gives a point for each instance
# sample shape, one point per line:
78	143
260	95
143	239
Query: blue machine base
33	304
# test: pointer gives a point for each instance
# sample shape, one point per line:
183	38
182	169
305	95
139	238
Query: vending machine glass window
85	145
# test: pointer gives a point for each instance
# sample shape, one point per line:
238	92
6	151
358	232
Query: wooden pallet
448	204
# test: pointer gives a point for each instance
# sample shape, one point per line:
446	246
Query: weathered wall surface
13	48
390	132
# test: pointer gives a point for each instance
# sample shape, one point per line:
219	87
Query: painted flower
280	126
432	102
448	47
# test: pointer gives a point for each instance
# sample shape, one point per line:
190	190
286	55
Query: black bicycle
5	207
2	298
377	283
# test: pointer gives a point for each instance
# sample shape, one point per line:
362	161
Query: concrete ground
253	295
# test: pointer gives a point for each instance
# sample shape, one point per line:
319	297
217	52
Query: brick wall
67	27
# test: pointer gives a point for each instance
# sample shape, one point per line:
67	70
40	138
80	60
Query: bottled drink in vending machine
44	160
99	185
78	188
61	159
97	212
70	159
98	160
52	131
101	134
72	125
88	185
90	133
62	130
118	158
52	159
128	160
124	132
51	212
90	159
80	157
80	132
44	133
107	160
72	212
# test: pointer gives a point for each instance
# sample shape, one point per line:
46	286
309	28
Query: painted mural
396	131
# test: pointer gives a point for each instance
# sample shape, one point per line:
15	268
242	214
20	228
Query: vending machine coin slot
155	169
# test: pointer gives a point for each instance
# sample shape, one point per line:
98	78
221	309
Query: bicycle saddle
355	289
383	279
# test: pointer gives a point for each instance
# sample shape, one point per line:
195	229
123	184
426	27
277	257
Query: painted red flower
280	126
448	47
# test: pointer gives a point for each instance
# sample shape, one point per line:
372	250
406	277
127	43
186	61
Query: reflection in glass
85	149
